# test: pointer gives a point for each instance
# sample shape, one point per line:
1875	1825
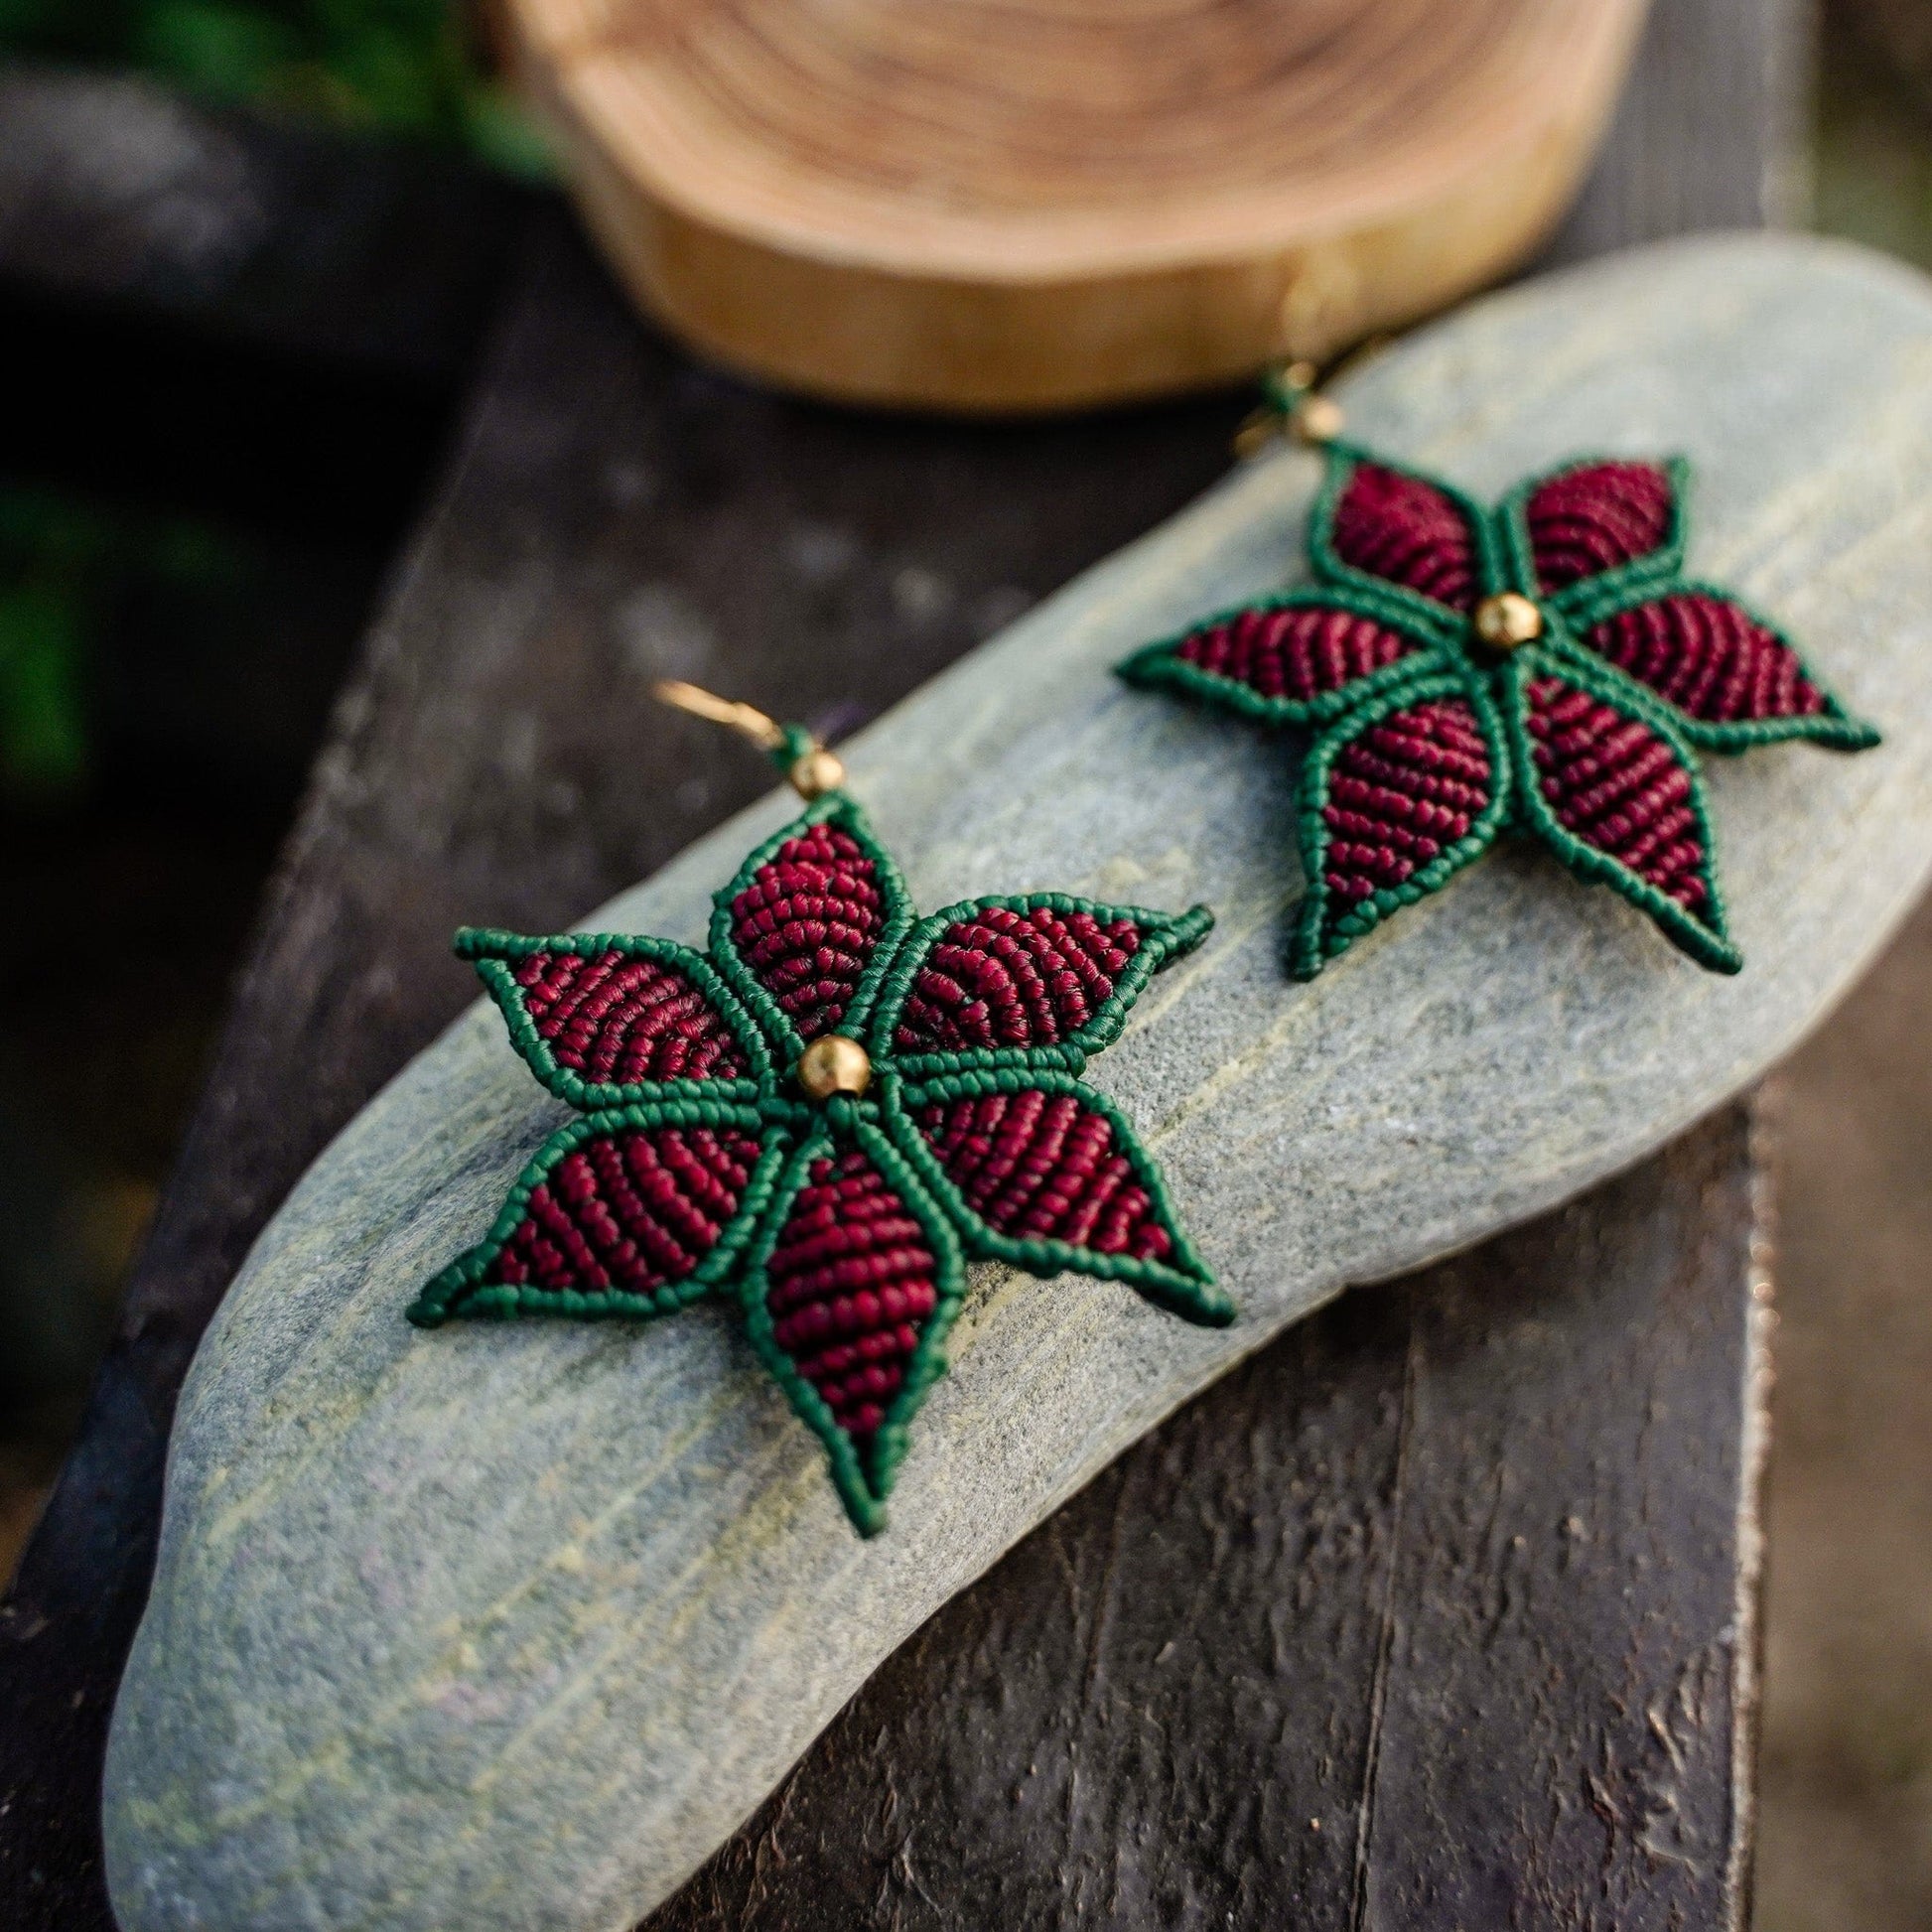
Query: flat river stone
510	1626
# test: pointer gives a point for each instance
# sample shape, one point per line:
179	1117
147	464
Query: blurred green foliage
400	65
1873	153
67	566
67	570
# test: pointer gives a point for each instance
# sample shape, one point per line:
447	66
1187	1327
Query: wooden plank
119	199
615	512
1427	1616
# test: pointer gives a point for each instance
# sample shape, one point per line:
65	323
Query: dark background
194	526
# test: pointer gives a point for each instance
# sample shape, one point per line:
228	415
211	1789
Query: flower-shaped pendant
825	1116
1546	667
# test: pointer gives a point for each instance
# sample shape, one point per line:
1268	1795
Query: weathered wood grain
1349	1642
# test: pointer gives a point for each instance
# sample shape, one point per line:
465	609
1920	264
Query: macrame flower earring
1545	667
826	1114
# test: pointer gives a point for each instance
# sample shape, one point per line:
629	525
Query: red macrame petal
628	1212
1597	517
852	1283
1003	977
1293	653
1036	1166
620	1019
1711	658
806	924
1619	788
1406	532
1400	793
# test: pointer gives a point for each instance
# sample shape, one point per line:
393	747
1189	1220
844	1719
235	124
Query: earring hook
810	769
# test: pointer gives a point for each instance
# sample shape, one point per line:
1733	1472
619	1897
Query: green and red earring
826	1114
1546	667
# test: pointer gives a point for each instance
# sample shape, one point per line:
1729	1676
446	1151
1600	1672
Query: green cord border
1835	728
838	809
459	1292
1707	941
862	1491
492	952
1653	567
1318	941
1165	937
1186	1289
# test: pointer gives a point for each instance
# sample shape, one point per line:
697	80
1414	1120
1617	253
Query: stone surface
509	1627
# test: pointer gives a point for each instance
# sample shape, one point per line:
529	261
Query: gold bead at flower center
1508	619
833	1064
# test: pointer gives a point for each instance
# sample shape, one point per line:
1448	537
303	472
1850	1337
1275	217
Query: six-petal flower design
1546	667
825	1116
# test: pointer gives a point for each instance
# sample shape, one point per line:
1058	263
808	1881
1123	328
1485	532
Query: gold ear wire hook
746	720
1296	405
809	769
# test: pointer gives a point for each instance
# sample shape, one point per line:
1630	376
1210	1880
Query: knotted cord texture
1711	658
1010	977
1402	792
1597	517
852	1280
1297	654
806	926
1041	1166
1616	785
630	1211
1405	530
612	1017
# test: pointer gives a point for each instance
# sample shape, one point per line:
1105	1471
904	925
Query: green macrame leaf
1729	676
1402	544
1294	659
1045	1174
807	930
848	1289
1036	981
605	1019
627	1211
1596	529
1610	785
1395	799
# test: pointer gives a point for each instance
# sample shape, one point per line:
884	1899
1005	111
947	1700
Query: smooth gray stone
510	1627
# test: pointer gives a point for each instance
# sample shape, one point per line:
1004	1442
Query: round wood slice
1043	204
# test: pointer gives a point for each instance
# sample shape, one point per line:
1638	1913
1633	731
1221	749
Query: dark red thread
1617	786
852	1282
1297	654
1406	532
1710	659
1043	1167
616	1018
807	924
1595	517
629	1211
1401	792
1004	978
